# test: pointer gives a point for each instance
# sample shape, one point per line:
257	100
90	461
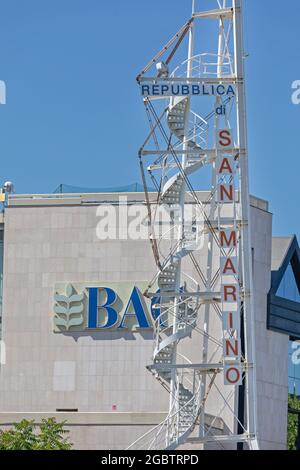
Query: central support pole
247	273
210	244
174	395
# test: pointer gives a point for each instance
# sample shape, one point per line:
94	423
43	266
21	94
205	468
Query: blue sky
65	122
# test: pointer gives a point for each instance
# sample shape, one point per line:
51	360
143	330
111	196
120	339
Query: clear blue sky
64	122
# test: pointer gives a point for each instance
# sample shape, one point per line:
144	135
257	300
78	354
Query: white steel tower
202	293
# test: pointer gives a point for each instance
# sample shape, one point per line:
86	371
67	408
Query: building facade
81	363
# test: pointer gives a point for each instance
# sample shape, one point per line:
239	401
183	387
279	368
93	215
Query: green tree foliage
26	435
294	403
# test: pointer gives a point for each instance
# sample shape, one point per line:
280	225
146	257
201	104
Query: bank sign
102	307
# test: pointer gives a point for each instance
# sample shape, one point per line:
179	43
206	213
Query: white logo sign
2	92
296	94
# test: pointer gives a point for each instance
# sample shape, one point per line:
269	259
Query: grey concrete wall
90	431
271	348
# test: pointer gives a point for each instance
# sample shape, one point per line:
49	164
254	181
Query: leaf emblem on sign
68	308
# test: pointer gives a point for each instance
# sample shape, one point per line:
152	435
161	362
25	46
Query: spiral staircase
178	308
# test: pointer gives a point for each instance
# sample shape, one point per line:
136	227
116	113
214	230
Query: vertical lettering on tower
229	257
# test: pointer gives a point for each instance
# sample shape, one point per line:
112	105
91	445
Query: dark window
67	410
288	288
